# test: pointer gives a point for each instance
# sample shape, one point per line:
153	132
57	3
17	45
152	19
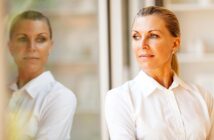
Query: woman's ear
51	47
176	45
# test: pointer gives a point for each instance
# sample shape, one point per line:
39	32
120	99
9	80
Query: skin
30	45
153	46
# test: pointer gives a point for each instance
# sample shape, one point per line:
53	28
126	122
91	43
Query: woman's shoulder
61	91
119	99
120	90
196	88
204	92
120	94
57	95
201	91
193	87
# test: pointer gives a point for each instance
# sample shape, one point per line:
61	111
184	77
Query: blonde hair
174	64
171	22
29	15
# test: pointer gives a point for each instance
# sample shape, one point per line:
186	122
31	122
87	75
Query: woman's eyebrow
155	30
44	33
134	31
20	34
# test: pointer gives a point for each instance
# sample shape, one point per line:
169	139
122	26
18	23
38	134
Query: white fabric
142	109
43	109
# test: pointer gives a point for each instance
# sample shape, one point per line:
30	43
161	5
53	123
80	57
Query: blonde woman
42	108
157	104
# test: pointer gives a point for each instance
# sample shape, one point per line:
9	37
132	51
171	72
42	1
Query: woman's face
152	43
30	45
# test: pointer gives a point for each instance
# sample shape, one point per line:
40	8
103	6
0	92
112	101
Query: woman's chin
147	66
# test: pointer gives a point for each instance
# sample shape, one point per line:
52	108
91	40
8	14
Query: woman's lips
145	57
31	58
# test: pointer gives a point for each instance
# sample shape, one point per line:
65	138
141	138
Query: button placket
177	115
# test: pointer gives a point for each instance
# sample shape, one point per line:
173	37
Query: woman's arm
57	116
118	117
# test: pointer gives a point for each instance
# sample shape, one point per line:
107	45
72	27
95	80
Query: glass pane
74	58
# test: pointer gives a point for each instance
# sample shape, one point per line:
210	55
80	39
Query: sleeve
118	118
57	116
210	103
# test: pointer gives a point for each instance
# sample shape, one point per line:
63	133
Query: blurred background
92	51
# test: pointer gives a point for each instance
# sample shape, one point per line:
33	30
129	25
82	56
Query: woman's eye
41	39
136	37
22	39
154	36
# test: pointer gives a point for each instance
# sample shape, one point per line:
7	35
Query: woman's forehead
31	25
26	22
151	22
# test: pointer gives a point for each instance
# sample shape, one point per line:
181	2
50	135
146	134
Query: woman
42	108
157	104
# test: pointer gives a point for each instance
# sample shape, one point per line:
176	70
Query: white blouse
42	110
142	109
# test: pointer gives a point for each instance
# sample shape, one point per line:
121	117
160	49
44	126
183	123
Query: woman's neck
163	76
25	76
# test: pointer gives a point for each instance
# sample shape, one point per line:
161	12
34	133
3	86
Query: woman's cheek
135	45
135	49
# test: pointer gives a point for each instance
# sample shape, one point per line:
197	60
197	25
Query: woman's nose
32	45
144	43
